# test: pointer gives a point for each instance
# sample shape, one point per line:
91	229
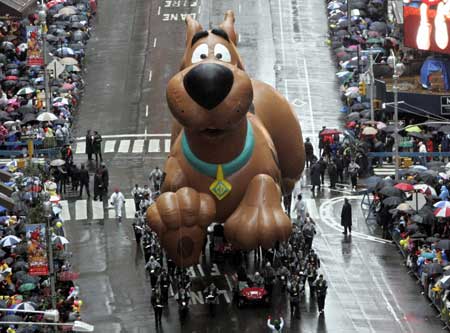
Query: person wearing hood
422	149
443	195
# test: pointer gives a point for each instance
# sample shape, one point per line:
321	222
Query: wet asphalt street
135	49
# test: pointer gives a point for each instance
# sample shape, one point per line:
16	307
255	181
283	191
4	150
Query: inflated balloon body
236	146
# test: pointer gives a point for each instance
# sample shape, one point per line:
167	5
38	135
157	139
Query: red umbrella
351	124
329	132
11	78
405	187
442	212
54	3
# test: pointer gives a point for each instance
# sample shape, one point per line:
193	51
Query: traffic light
362	88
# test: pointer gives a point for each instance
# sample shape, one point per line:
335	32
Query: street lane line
167	145
81	210
97	210
312	209
130	208
112	213
153	146
138	146
146	110
124	146
150	76
159	10
308	92
154	42
109	146
81	148
65	213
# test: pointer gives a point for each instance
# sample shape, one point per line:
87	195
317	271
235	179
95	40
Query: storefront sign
445	105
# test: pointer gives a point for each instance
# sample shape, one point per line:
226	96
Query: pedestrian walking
300	210
323	168
84	180
155	178
346	217
308	231
276	325
321	292
340	166
153	267
309	152
137	233
422	150
332	173
287	201
321	140
116	201
353	170
98	185
97	147
89	145
105	176
158	306
315	176
138	195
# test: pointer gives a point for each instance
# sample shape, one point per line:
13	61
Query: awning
17	7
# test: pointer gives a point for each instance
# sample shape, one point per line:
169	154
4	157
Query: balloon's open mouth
213	131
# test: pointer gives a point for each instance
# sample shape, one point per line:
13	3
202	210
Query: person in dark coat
340	166
84	180
346	217
332	173
89	145
105	176
323	168
315	176
97	147
321	141
309	152
98	185
74	176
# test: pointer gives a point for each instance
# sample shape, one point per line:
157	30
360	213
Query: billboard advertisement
35	55
37	249
426	25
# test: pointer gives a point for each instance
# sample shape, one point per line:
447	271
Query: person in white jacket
117	200
276	325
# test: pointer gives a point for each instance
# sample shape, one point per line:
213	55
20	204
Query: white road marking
120	136
308	91
153	146
200	269
167	145
111	213
145	130
150	74
146	110
283	51
65	213
159	10
124	146
312	209
110	146
154	42
81	148
81	210
97	210
130	208
138	146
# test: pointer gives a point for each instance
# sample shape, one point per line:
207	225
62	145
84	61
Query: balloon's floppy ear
228	26
192	27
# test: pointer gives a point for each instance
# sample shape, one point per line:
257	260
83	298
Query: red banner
35	56
37	249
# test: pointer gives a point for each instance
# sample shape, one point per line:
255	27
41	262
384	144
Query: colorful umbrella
405	187
442	212
413	128
369	131
442	204
27	287
9	241
425	189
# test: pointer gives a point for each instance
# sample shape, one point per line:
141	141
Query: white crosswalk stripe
386	170
65	214
110	146
153	146
81	210
129	208
97	210
81	148
138	146
124	146
311	208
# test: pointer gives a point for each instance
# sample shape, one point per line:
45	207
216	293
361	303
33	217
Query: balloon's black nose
208	84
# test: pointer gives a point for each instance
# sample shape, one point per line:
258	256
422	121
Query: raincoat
117	200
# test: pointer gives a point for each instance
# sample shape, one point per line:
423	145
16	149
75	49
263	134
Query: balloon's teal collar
210	169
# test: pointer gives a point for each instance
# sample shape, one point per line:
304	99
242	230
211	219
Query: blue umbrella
64	52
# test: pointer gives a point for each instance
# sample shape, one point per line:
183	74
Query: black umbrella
418	235
371	182
432	124
18	265
443	244
29	118
25	109
432	239
433	268
417	218
381	27
427	213
392	201
412	227
391	191
4	116
445	129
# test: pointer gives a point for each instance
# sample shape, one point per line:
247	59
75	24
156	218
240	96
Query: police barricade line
408	154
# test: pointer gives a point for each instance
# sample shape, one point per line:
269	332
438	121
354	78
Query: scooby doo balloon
236	146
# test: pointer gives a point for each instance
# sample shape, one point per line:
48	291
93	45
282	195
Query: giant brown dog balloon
236	146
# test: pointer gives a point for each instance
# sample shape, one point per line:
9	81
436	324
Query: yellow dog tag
220	187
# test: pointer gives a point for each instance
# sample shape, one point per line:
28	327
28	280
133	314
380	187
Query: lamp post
48	214
43	22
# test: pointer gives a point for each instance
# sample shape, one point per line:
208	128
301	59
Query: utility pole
395	91
43	22
372	86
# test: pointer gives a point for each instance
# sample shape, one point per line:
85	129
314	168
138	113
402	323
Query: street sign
445	105
55	68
